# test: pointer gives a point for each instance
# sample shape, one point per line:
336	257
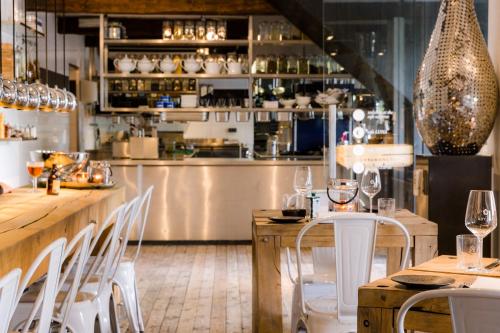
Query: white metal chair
332	307
8	293
96	280
125	277
472	310
75	256
39	319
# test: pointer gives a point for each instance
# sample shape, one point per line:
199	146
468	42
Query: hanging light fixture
70	97
63	100
43	89
9	89
23	94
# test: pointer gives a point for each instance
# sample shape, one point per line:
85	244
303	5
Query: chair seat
321	297
31	295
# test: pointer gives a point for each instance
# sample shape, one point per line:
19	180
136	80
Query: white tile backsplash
53	134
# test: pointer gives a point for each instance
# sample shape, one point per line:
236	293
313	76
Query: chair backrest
76	255
8	293
44	304
355	235
472	310
130	216
107	243
141	219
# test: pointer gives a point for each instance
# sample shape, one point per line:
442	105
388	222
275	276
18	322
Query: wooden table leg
266	284
374	320
394	256
425	249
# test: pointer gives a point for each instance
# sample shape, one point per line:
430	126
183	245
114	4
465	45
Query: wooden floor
200	288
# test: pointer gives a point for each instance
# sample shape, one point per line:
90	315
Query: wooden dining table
269	238
380	300
31	221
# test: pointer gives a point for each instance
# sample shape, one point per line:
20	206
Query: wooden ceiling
171	7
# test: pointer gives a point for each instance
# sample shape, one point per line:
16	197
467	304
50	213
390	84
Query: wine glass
302	183
481	215
370	184
35	169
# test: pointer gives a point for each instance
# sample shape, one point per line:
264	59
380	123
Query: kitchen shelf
292	42
175	110
162	42
173	76
204	109
302	76
170	92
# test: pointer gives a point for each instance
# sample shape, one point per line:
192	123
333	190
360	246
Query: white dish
189	101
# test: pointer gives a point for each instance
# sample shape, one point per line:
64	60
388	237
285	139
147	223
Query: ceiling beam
170	7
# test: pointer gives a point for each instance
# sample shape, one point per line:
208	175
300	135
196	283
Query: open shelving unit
249	45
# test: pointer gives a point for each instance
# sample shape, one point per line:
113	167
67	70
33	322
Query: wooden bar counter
30	221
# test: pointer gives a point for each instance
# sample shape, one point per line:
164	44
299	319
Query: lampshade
88	91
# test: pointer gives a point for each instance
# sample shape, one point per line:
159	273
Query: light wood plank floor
200	288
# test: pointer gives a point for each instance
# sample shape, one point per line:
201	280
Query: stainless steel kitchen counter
209	199
215	162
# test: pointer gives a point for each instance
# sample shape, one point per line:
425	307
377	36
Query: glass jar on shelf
211	30
264	33
178	29
286	31
276	30
189	33
243	60
272	65
200	30
259	65
221	29
292	64
312	64
140	85
302	66
281	64
168	30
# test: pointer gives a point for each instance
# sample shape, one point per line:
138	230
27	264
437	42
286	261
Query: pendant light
23	96
43	89
33	95
63	100
70	97
9	90
55	96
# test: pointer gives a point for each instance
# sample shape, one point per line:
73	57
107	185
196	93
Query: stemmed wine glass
302	183
481	215
370	184
35	169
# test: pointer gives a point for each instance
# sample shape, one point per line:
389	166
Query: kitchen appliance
143	148
121	149
441	186
221	148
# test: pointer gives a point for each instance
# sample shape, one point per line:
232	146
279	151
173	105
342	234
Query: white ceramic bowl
287	103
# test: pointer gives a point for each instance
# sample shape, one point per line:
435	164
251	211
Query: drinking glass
370	184
481	215
302	182
468	252
387	207
35	169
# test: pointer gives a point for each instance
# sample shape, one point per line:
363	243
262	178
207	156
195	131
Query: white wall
53	133
53	129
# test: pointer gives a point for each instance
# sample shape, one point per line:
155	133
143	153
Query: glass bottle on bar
53	181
